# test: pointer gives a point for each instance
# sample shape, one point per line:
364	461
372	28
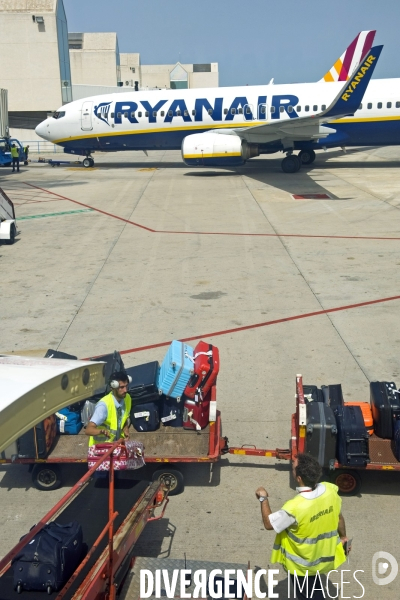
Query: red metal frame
99	584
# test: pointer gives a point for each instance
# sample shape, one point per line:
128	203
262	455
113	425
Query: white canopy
34	388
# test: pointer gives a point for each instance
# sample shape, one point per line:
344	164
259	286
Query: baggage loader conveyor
112	521
345	477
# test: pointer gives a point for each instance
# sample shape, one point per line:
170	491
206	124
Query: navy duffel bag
48	561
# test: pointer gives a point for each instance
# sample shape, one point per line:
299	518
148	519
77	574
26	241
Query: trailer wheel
46	477
348	482
172	479
13	233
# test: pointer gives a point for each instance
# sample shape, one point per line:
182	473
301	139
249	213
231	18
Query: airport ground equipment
8	223
168	447
346	477
57	163
165	449
117	517
5	151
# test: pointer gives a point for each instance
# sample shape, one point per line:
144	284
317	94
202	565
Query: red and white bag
126	458
206	368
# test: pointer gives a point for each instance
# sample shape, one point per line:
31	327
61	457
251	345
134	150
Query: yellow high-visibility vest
111	422
14	152
313	544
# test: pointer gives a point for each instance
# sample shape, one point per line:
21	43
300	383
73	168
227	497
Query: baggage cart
347	478
165	449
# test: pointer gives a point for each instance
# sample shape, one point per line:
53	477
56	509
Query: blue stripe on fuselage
370	133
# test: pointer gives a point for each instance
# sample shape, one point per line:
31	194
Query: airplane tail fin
351	58
350	96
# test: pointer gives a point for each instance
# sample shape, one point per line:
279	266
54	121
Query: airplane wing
312	127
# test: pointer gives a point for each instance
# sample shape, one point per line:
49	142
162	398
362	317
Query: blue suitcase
176	369
146	417
172	412
68	421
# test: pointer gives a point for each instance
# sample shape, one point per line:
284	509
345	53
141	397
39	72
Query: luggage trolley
117	519
347	478
166	448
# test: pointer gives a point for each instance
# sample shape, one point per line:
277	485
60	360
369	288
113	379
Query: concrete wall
97	62
129	61
30	67
83	91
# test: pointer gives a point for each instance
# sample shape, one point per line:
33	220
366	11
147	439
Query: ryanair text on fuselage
161	112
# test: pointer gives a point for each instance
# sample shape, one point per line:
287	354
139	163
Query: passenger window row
380	105
247	110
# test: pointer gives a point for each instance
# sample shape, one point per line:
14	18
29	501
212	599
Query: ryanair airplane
228	126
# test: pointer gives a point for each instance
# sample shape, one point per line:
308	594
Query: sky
251	40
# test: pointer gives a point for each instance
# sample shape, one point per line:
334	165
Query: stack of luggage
177	393
339	430
335	429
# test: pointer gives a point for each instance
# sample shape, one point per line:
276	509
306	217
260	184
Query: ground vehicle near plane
5	151
228	126
8	223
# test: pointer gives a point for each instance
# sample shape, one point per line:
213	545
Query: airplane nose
42	130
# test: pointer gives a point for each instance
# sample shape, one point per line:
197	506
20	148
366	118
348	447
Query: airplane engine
216	150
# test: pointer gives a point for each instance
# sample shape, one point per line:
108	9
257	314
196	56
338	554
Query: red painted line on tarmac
264	324
293	235
103	212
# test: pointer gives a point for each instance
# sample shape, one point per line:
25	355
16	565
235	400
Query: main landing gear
292	162
88	162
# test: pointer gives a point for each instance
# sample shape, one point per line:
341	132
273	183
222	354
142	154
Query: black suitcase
321	433
113	364
333	395
385	407
48	561
144	385
172	411
146	417
396	438
352	436
37	442
57	354
312	393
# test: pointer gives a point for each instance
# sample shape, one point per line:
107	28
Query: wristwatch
262	498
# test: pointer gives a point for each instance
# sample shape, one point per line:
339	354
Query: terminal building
47	66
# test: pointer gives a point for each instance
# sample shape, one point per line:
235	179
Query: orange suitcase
367	414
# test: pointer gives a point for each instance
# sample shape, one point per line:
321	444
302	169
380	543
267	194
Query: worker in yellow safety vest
15	158
109	421
310	528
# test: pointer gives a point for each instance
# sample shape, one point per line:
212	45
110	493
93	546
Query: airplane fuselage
161	119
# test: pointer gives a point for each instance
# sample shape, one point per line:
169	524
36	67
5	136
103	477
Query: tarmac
141	250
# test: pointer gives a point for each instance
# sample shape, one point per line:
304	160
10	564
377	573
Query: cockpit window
59	114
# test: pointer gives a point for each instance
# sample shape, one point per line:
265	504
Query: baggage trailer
8	223
165	446
112	521
347	478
